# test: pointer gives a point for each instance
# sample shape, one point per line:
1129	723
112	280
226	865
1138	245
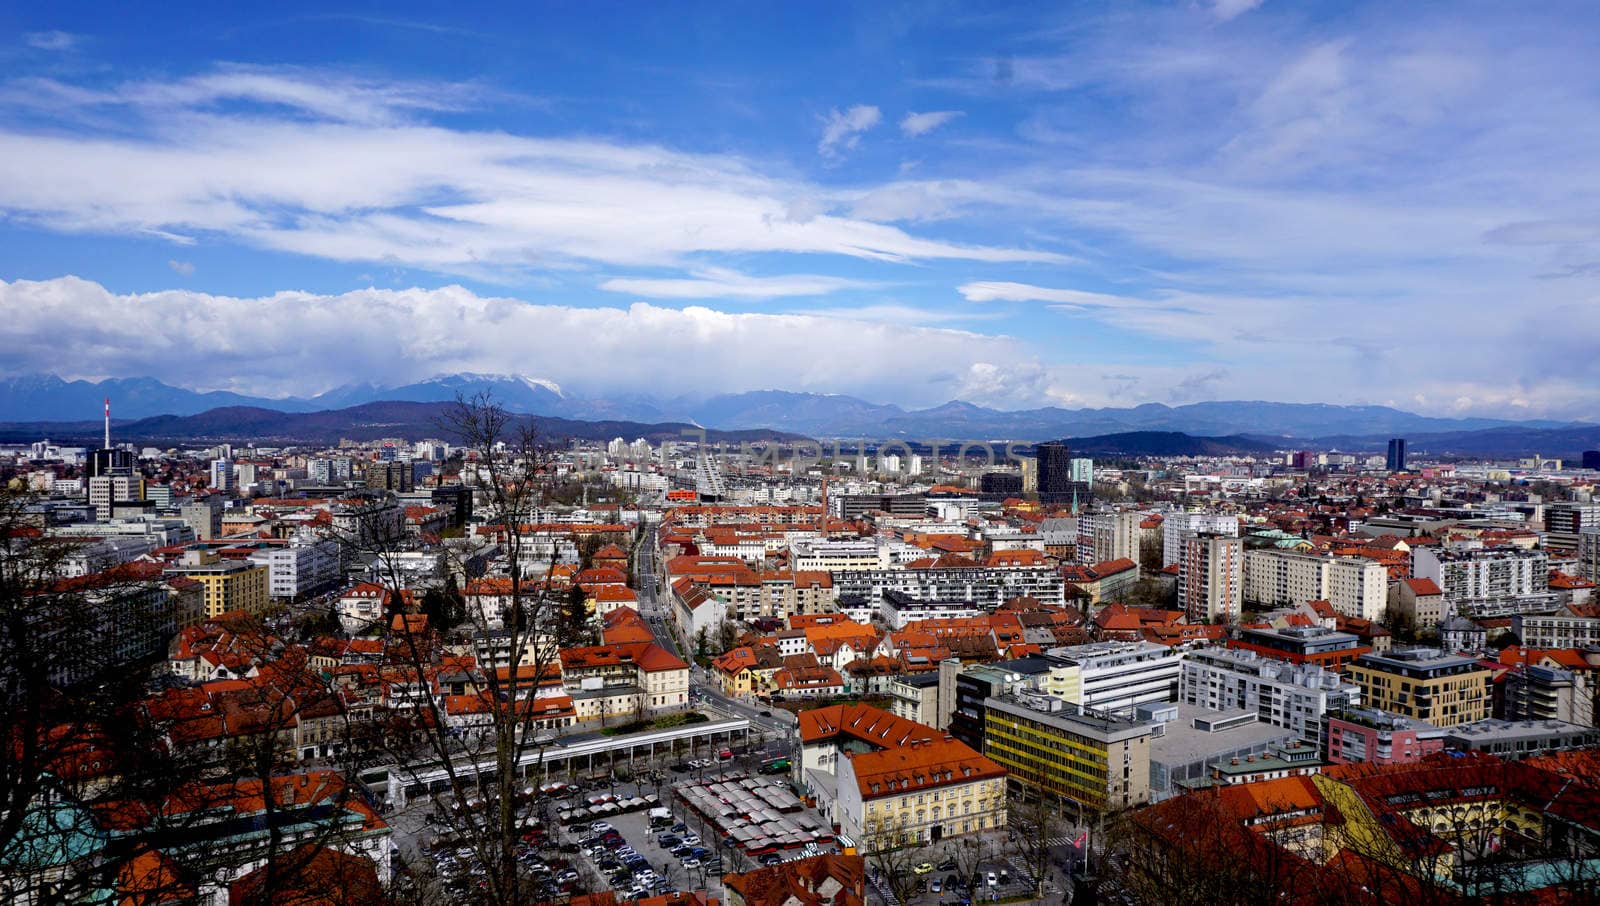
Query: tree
1035	819
519	614
892	855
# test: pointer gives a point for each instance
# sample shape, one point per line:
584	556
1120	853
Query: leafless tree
483	796
892	854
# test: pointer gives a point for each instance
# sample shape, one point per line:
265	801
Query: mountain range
47	398
366	422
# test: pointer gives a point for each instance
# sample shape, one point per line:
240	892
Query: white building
1294	696
222	475
304	566
1116	676
1487	581
1108	535
1211	577
1355	587
1177	525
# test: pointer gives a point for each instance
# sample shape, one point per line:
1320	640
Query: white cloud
50	40
915	124
300	342
1001	291
185	268
722	283
845	129
1224	10
349	179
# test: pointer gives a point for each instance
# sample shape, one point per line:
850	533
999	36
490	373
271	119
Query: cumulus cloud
722	283
301	343
915	124
842	130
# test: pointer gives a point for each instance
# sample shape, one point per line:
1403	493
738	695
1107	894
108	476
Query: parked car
923	868
993	881
691	839
691	862
936	886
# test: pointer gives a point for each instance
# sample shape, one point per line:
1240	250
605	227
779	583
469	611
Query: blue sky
1067	204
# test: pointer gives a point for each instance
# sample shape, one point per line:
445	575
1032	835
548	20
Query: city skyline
1099	206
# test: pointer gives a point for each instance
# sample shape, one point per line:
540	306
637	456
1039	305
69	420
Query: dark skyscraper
1055	467
1396	461
1055	475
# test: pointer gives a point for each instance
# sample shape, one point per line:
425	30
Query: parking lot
633	853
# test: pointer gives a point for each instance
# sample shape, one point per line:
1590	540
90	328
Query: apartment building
226	585
1176	525
1056	748
1575	626
1108	535
1211	577
1355	587
1496	581
1425	683
624	680
984	588
1293	696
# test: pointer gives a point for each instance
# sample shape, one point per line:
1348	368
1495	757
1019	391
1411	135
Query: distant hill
369	421
46	398
1167	443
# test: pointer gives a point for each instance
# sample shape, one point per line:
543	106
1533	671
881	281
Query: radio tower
108	423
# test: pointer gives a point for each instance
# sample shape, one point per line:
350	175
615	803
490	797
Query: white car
691	839
599	827
993	881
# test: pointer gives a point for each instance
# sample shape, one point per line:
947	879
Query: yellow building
918	793
1050	747
226	585
1424	683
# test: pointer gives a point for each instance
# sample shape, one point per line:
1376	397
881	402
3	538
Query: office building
1293	696
108	490
1083	471
1211	578
222	475
1395	461
1189	741
1314	645
1056	485
855	506
1369	736
204	518
1424	683
974	685
1115	676
1001	484
1053	747
395	476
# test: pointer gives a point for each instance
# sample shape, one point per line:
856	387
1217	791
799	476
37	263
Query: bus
775	766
